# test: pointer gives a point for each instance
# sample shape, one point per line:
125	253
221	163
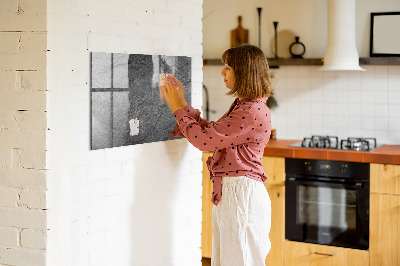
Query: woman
242	208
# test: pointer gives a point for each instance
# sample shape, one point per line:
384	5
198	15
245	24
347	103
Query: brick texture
23	126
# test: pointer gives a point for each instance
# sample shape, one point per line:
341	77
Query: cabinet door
277	233
304	254
274	168
206	226
385	178
384	230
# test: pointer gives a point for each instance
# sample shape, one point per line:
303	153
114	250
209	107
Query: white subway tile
394	83
355	96
342	133
342	80
382	123
368	123
329	123
381	110
368	110
367	133
304	72
304	82
329	93
291	71
380	84
394	123
380	71
394	97
355	122
292	83
279	72
367	83
355	132
354	80
328	74
342	109
367	96
394	110
394	137
381	97
382	136
329	109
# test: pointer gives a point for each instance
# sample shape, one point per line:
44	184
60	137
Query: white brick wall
22	133
134	205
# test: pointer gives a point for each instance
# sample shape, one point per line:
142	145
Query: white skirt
241	223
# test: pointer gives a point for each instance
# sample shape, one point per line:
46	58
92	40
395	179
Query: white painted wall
311	102
134	205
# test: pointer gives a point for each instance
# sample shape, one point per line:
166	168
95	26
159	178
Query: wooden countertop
389	154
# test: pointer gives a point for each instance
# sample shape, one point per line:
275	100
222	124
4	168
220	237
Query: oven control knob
308	166
343	168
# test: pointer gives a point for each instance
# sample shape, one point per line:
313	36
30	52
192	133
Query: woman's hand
181	91
171	94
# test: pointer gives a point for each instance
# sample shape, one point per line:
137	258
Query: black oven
327	202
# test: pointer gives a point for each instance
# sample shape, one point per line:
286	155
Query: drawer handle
324	254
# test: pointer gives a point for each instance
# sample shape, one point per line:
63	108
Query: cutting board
239	35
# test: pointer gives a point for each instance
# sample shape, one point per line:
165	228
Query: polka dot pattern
238	139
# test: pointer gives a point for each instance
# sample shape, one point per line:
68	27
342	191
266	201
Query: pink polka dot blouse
238	139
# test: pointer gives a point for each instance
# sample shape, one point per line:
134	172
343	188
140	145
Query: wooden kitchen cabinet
384	215
384	236
274	168
206	225
305	254
385	178
277	233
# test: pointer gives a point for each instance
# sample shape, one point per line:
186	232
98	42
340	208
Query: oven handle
357	185
324	254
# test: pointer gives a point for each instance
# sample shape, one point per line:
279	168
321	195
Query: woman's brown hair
250	66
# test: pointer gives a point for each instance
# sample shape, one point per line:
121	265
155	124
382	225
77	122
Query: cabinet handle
324	254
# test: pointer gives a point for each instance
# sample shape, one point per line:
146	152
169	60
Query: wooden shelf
380	61
274	63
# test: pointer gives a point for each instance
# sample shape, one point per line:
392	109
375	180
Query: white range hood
341	51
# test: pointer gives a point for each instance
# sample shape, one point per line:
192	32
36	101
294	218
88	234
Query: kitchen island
384	207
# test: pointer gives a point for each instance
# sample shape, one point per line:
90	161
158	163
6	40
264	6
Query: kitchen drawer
385	178
274	168
305	254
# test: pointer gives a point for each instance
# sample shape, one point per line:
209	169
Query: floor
206	261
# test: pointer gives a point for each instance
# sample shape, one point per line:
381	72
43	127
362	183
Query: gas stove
332	142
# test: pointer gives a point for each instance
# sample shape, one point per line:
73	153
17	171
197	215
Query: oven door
327	213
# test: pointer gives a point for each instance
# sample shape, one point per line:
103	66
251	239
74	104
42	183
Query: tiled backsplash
314	102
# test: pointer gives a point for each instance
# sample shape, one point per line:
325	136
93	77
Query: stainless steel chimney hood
341	51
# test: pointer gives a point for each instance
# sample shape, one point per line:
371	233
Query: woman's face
229	76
